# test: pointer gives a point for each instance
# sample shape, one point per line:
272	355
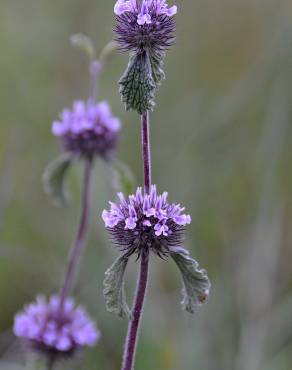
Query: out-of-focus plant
56	328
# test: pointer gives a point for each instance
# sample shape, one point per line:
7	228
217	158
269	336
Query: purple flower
88	129
146	24
146	221
47	327
145	10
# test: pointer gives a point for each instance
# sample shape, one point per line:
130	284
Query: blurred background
221	145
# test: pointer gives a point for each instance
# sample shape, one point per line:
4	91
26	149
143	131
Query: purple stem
145	135
133	328
78	244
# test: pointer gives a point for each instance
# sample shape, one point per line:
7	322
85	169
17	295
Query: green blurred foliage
221	145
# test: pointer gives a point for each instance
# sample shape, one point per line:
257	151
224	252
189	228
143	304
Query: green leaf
108	50
54	179
123	178
196	283
137	86
83	43
114	292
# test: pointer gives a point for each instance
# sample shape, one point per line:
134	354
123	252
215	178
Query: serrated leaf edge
193	296
117	305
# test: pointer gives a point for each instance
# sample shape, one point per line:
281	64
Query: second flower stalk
55	327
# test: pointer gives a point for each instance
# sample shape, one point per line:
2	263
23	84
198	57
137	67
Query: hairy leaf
114	292
196	283
54	179
137	86
157	61
108	50
84	43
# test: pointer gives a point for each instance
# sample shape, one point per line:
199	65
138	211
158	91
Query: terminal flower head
88	129
146	222
145	9
144	24
50	329
146	29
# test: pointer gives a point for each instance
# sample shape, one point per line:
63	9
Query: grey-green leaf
123	178
157	61
83	43
54	179
114	291
196	283
137	86
108	50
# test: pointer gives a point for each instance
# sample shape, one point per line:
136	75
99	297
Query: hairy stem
79	242
133	329
145	136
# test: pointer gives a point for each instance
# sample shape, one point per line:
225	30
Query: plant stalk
133	329
134	324
79	241
145	136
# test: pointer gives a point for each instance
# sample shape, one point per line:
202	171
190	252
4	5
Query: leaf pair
55	178
196	284
85	44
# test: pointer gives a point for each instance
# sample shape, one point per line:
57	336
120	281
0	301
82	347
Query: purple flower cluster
144	24
49	328
88	129
146	221
145	10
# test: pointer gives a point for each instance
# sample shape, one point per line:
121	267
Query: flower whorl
88	129
146	221
146	29
48	328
